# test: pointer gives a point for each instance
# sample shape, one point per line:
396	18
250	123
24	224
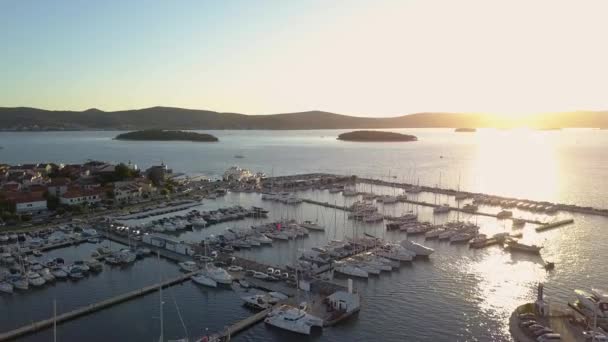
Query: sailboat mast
54	320
160	292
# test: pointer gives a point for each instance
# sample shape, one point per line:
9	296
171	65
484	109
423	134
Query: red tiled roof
25	197
60	181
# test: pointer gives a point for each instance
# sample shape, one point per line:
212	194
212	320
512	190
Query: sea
458	294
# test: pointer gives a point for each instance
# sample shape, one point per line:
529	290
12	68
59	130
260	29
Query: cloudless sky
375	58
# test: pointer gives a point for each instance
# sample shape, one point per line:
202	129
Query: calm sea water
457	295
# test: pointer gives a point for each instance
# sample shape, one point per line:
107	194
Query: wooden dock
91	308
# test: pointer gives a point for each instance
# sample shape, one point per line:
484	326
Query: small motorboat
188	266
6	287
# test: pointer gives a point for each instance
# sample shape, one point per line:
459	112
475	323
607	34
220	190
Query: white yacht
397	253
387	199
35	279
349	193
263	239
312	225
417	248
220	275
258	302
6	287
188	266
350	270
202	278
293	319
589	301
46	274
461	237
20	282
58	273
442	209
199	222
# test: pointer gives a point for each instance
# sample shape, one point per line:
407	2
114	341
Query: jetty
167	254
426	204
327	205
453	192
243	324
554	225
91	308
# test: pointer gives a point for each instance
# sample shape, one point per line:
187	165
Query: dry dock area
91	308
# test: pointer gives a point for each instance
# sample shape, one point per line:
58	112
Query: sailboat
211	276
313	225
440	209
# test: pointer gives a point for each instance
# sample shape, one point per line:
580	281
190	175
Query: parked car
542	331
598	336
551	337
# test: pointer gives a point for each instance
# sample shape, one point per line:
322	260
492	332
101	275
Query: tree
122	172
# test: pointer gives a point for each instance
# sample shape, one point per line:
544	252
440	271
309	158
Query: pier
167	254
243	324
451	192
327	205
426	204
554	225
89	309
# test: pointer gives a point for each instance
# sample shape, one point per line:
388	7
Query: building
76	197
58	186
28	203
126	192
158	173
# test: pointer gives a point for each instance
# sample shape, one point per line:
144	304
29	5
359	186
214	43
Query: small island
375	136
465	130
164	135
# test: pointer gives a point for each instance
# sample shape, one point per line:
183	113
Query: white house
127	192
29	204
75	197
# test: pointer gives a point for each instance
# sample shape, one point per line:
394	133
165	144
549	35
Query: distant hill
178	118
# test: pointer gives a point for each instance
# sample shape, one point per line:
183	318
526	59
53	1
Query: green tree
122	172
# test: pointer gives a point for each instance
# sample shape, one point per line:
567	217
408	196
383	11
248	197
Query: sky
371	58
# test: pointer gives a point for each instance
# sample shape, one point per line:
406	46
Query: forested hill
179	118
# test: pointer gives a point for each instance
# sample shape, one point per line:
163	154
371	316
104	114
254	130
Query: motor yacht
442	209
47	275
417	248
6	287
461	237
293	319
58	272
188	266
312	226
350	270
220	275
258	302
19	282
35	279
202	278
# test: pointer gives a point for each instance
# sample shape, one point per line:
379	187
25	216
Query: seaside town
51	206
